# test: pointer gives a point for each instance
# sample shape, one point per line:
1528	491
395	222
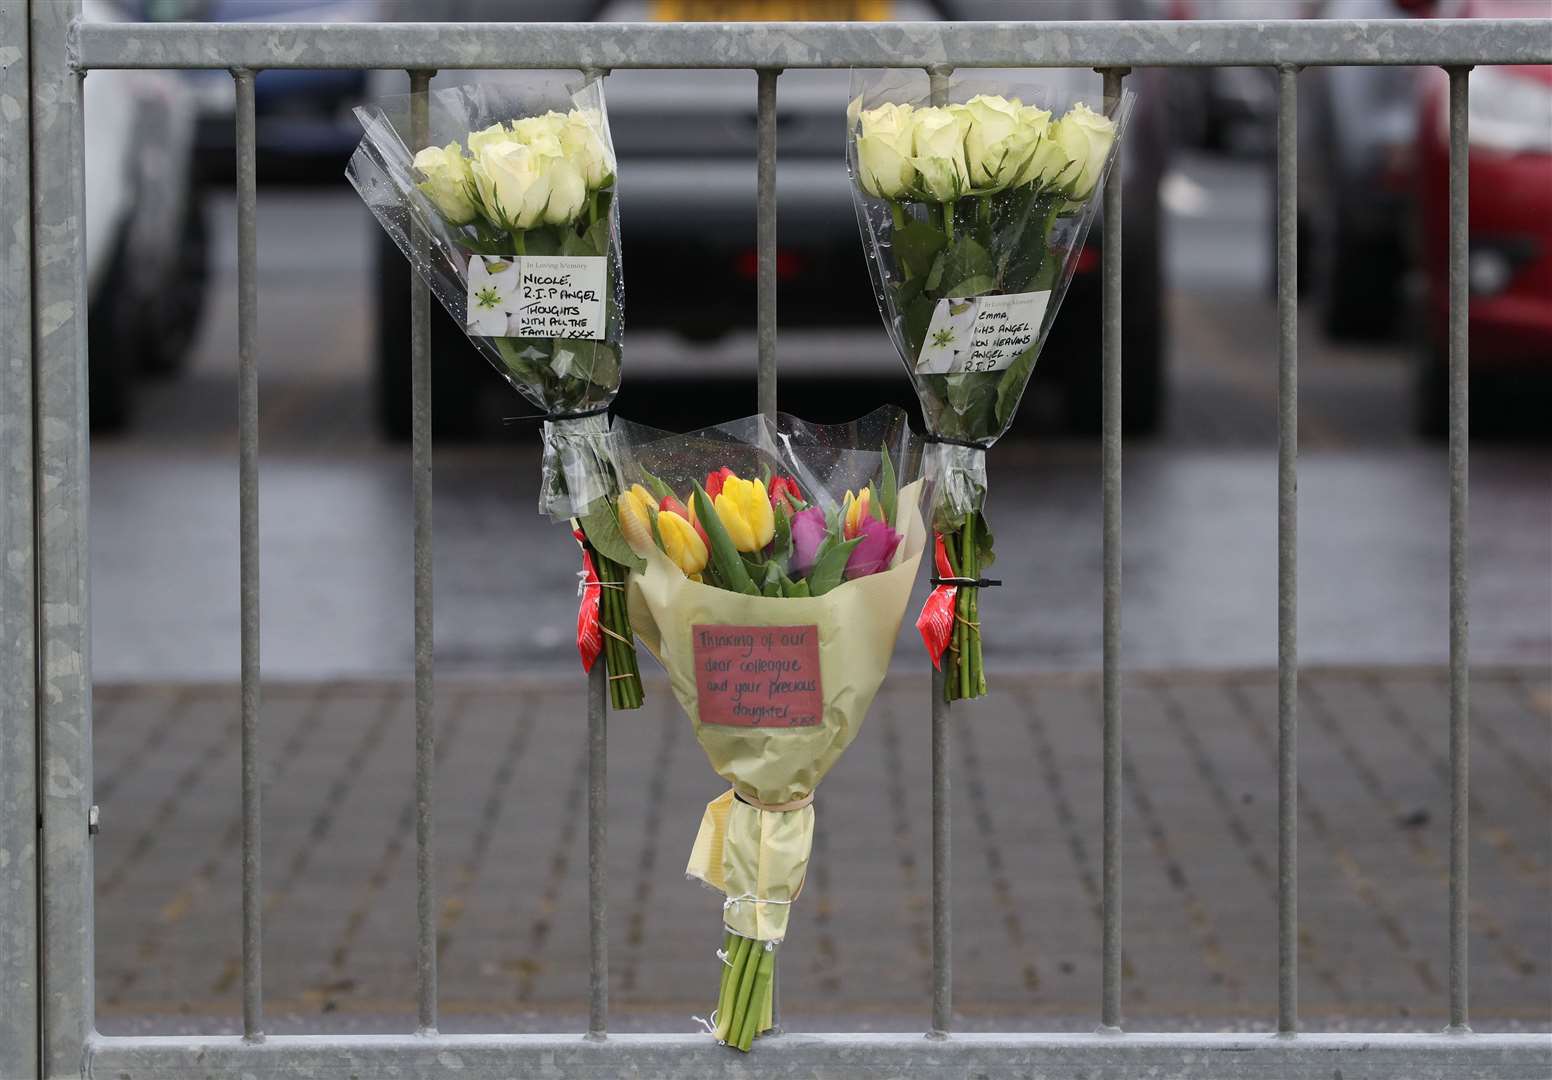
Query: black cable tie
931	438
556	416
973	583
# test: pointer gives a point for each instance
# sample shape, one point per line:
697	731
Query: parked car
686	144
304	130
1510	216
1357	134
146	249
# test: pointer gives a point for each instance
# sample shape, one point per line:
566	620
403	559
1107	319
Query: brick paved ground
1200	849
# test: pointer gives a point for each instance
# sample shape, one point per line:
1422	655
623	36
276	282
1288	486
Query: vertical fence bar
598	824
942	851
765	239
598	851
18	591
61	449
248	531
1460	717
1110	276
1287	551
425	702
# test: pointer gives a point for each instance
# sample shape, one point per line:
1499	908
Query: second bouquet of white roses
971	211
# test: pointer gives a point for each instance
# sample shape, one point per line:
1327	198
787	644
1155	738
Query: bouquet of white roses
509	215
971	214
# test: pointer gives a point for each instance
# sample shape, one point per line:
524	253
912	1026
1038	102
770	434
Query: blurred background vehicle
305	131
1510	188
687	147
1357	135
147	258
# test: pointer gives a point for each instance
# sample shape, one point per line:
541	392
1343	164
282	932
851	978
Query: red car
1510	187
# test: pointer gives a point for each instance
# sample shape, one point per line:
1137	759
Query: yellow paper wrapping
757	858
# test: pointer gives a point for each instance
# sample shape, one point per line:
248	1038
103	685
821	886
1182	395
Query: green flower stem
948	220
736	949
759	993
966	554
619	653
745	992
897	212
951	671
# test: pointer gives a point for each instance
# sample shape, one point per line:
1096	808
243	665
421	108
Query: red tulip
785	495
714	481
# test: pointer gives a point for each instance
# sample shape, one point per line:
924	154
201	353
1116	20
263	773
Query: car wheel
114	334
179	302
1357	307
1431	393
467	396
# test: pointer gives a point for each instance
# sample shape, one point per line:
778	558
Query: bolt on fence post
1460	428
248	529
425	700
1287	552
1110	276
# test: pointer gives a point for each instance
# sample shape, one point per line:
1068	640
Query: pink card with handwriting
758	676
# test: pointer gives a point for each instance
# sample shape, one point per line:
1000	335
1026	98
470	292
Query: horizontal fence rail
807	45
65	49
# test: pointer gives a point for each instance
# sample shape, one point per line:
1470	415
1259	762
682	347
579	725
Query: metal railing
46	974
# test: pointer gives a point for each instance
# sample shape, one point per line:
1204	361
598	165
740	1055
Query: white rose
938	146
884	150
531	129
993	121
1085	136
513	183
478	140
582	141
447	181
568	191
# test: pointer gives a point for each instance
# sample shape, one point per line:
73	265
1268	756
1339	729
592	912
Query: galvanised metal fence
46	923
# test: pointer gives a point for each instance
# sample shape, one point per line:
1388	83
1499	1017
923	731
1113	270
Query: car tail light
1088	261
788	264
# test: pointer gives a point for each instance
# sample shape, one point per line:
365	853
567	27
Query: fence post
64	697
18	598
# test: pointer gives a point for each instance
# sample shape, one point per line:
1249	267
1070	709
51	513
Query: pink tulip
877	548
808	532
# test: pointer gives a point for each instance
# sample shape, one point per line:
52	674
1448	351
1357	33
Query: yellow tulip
635	520
746	513
681	543
857	509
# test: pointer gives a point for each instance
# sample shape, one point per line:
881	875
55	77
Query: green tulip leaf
888	489
730	568
601	523
830	567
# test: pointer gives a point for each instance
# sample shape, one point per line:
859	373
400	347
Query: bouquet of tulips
971	214
776	561
509	215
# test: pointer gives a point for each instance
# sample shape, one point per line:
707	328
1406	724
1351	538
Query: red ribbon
590	635
936	621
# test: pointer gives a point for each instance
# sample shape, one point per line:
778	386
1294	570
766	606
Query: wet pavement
1199	849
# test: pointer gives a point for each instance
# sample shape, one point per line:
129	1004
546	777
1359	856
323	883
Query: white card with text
537	296
981	333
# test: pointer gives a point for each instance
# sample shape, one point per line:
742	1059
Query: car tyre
178	304
115	332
